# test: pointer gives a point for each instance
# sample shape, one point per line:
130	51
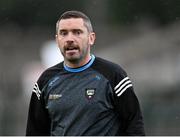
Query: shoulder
113	72
48	74
108	68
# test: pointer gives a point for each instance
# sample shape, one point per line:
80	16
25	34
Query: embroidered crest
90	93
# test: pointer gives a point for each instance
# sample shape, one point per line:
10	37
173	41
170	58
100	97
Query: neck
77	64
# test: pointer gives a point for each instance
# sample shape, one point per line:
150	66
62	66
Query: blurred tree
130	11
45	12
35	12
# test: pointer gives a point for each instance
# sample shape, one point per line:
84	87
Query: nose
70	38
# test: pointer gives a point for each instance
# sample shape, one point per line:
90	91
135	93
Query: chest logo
90	93
54	96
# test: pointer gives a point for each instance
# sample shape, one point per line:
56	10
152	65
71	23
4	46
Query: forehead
72	23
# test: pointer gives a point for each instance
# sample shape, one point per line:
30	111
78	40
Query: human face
74	41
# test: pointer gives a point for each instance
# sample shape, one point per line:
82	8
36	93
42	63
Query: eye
77	32
63	33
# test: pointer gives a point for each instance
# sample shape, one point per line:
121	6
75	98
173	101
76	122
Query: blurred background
140	35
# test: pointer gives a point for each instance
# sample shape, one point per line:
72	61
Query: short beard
76	60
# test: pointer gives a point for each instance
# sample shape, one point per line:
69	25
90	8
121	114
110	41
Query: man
84	94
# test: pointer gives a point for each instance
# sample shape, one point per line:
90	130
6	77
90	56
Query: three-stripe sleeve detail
37	91
121	87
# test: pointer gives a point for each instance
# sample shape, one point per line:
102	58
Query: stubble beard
75	59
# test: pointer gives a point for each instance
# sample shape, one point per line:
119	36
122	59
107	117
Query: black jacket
95	99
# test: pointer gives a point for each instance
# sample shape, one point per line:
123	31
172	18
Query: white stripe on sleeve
121	87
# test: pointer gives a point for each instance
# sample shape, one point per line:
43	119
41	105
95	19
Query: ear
92	37
56	38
